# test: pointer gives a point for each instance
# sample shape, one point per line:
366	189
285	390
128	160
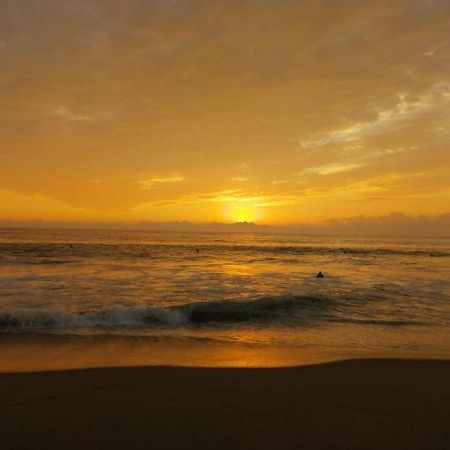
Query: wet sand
356	404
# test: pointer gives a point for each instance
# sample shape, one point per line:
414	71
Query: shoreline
34	352
352	404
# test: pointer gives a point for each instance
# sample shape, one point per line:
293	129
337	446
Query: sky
266	111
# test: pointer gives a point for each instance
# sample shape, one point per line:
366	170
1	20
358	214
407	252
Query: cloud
155	181
332	168
405	109
393	224
359	160
227	196
65	113
14	205
347	94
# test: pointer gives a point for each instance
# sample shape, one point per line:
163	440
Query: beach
134	340
353	404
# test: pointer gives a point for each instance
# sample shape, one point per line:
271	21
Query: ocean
380	296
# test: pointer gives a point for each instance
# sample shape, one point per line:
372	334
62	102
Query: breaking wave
267	309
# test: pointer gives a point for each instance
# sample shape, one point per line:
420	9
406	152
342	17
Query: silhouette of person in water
320	275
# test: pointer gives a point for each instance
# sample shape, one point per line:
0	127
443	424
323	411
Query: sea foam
117	317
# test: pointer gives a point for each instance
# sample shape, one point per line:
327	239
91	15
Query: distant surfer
320	275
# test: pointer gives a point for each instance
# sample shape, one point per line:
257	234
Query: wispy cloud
154	181
405	109
357	162
62	112
328	169
240	179
236	196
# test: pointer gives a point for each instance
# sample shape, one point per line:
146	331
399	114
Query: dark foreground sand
360	404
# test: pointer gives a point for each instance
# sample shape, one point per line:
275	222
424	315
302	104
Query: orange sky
258	110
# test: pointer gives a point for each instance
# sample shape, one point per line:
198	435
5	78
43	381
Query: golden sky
273	111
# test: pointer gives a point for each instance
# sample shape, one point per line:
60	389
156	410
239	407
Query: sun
243	211
243	214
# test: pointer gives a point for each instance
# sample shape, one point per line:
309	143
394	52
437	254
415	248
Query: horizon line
394	223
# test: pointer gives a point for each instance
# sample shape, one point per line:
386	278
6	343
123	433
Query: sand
357	404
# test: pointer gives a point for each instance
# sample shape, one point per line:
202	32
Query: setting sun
243	211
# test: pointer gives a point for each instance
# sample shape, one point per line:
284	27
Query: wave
261	309
356	251
119	317
380	322
62	254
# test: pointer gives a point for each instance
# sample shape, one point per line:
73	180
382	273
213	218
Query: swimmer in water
320	275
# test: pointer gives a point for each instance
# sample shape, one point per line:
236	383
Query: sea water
380	296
